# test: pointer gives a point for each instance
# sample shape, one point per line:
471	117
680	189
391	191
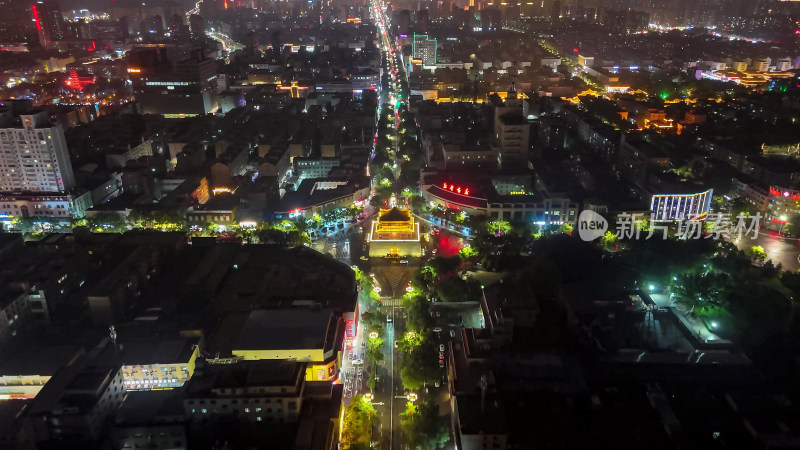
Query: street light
412	397
373	335
368	396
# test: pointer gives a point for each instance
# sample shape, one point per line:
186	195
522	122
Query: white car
437	330
441	348
452	333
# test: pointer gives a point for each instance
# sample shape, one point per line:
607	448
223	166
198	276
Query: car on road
403	261
452	333
388	319
395	344
441	356
441	348
437	330
441	363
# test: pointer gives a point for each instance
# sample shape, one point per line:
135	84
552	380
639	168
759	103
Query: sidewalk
695	326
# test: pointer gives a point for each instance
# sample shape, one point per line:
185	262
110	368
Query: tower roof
395	215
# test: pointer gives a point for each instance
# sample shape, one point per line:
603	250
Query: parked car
452	333
441	348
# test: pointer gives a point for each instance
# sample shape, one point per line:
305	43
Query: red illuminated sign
786	194
36	17
455	189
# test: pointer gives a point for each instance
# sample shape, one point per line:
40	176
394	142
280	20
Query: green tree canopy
697	288
424	427
757	253
419	367
357	424
417	310
793	224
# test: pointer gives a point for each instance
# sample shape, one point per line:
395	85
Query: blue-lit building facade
680	206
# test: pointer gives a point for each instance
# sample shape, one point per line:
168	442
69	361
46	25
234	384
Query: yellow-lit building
394	234
25	369
313	336
167	364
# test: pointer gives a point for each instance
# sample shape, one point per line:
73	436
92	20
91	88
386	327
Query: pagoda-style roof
395	215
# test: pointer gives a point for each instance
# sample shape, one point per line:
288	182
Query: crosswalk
387	301
395	276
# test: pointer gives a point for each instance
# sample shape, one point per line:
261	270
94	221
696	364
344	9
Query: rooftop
170	351
246	374
285	329
395	215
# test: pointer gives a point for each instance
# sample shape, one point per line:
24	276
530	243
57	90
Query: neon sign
456	189
36	17
786	194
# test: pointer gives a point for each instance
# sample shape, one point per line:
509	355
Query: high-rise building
34	156
491	19
614	21
555	10
49	21
15	22
424	48
512	132
638	21
402	20
197	24
423	22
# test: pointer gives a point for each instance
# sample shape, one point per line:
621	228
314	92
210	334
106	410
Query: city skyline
352	224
